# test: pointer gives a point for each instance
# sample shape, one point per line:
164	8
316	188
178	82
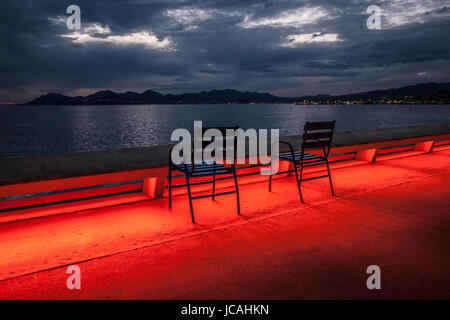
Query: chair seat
203	169
287	156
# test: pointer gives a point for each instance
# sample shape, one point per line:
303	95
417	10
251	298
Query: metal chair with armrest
316	135
203	169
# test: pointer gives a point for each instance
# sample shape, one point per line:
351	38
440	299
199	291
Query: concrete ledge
76	165
354	141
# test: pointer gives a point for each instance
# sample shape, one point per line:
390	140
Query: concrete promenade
393	213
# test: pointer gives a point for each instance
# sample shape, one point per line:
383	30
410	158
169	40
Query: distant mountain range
422	91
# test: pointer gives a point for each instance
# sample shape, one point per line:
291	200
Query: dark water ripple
27	130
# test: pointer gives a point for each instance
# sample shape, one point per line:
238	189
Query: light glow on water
27	130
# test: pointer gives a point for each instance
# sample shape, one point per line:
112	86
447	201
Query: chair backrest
223	148
318	135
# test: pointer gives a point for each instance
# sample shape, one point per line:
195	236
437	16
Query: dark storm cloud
286	47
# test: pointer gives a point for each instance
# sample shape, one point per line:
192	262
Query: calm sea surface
30	130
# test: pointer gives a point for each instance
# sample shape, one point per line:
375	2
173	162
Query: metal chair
203	169
316	135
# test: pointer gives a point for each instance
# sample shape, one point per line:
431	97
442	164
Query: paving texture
393	213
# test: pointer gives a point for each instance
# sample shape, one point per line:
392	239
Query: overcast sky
286	47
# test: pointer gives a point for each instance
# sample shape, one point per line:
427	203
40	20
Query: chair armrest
290	147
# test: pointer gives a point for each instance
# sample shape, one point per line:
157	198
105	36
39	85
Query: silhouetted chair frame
316	135
203	169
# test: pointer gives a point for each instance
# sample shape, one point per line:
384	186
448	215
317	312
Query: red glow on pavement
91	232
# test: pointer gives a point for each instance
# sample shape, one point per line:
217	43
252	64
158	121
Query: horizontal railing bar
442	145
29	195
401	146
394	152
70	201
342	154
342	160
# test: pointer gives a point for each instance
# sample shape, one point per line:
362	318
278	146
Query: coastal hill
153	97
419	93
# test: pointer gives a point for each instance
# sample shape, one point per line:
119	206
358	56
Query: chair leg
298	180
270	178
190	198
170	186
329	175
301	172
237	191
214	184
